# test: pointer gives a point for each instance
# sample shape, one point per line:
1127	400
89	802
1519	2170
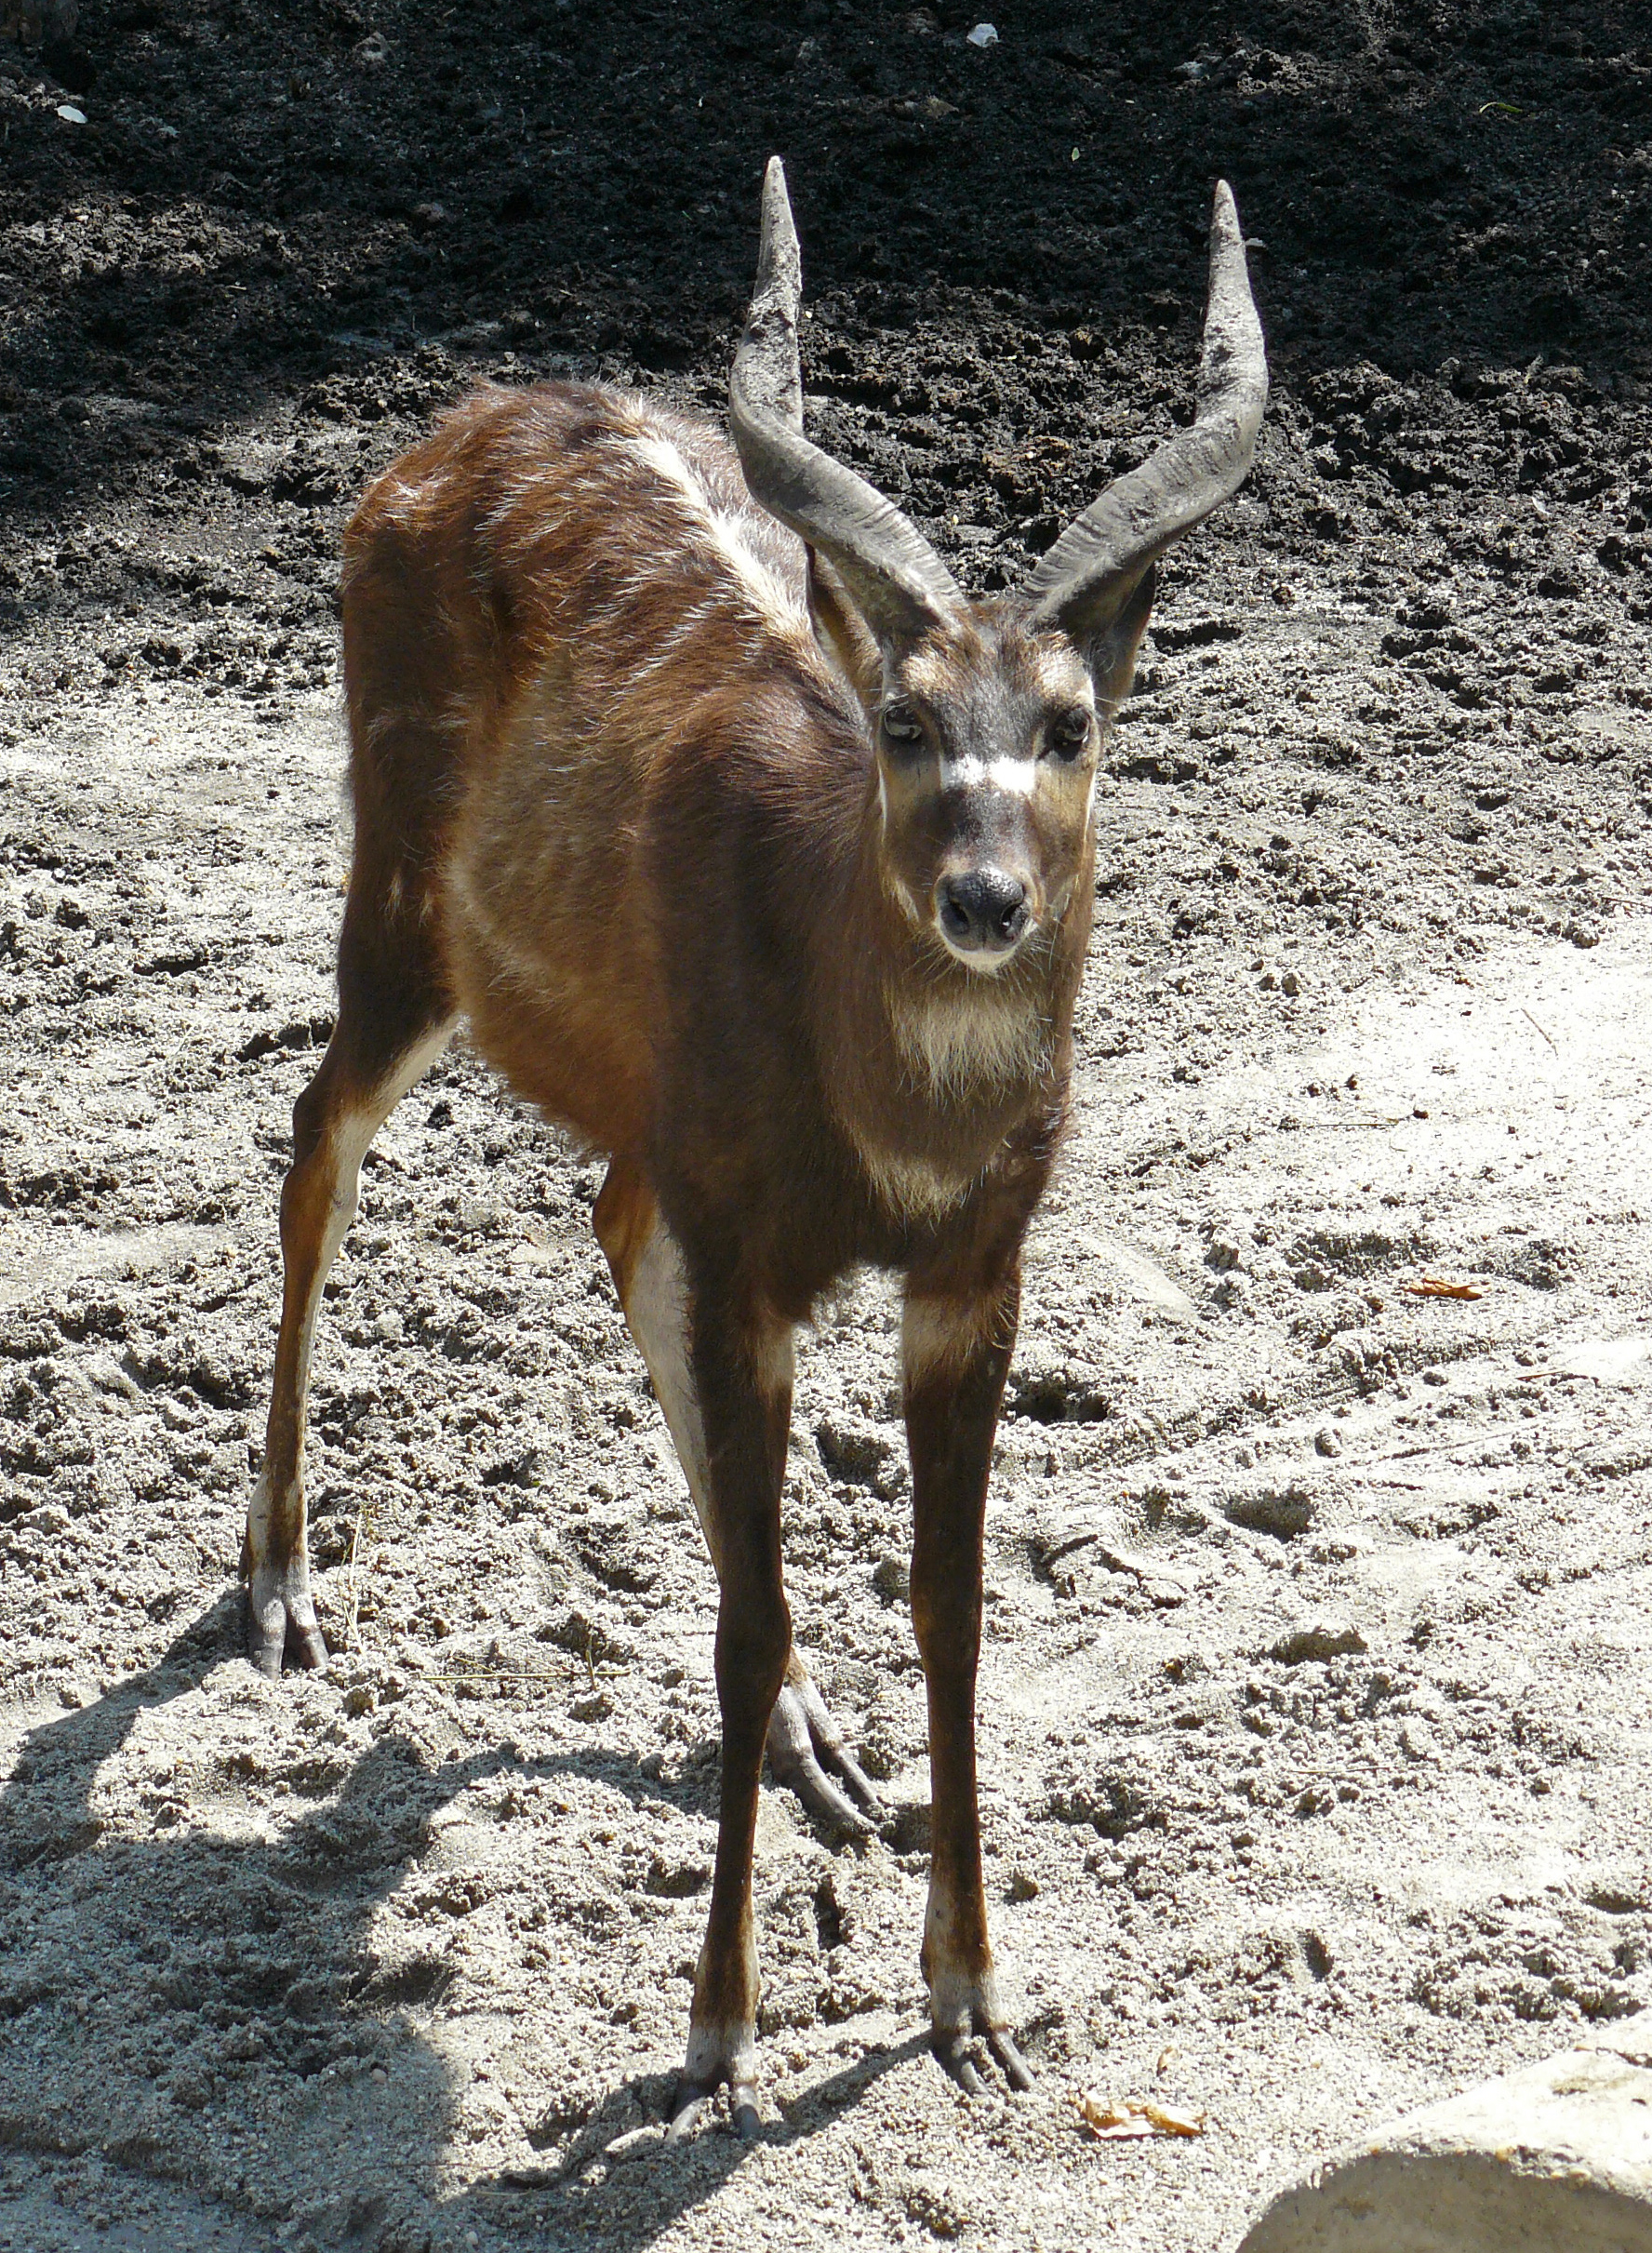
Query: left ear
844	637
1110	651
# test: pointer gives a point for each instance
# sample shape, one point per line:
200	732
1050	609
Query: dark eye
901	724
1069	732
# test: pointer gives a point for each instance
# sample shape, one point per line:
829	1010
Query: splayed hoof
690	2099
963	2009
717	2054
281	1627
805	1743
953	2050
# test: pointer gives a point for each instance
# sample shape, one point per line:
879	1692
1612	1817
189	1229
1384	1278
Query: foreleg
956	1354
805	1742
374	1057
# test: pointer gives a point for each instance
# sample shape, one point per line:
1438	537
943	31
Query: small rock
676	1880
892	1581
984	34
1282	1511
1327	1442
1555	2155
70	114
1290	984
1417	1740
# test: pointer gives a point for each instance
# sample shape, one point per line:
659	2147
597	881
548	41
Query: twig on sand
1435	1287
352	1584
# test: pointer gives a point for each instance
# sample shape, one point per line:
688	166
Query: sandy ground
1317	1711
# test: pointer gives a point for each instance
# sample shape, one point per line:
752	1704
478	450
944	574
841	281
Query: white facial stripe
1018	776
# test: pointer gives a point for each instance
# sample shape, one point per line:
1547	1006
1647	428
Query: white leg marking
938	1334
657	1316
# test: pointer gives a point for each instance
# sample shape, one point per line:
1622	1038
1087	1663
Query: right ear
844	637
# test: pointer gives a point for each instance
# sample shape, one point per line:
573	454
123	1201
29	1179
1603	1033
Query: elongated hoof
690	2099
952	2052
721	2050
281	1627
805	1742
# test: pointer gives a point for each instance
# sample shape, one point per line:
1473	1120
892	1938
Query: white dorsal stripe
721	531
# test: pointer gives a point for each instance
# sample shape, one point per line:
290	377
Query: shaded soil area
1317	1694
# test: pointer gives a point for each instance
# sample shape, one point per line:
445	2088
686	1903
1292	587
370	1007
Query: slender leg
393	1020
741	1363
803	1739
956	1354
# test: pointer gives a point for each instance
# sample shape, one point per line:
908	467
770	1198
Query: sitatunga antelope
751	849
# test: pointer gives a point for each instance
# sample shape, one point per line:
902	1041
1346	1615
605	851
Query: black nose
984	910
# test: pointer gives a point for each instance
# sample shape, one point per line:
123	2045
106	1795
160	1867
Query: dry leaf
1434	1286
1170	2121
1111	2122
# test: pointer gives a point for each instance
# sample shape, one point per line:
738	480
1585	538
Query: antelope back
561	603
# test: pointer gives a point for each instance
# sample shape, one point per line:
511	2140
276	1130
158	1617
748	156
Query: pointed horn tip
776	202
1224	211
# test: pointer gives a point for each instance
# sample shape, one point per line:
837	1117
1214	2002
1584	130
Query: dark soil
286	233
1317	1699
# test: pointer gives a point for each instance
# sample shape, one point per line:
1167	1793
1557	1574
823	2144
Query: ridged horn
892	575
1086	579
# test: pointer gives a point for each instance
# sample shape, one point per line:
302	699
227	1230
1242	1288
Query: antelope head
986	715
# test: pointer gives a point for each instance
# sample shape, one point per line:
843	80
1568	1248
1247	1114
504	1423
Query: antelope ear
1111	652
845	639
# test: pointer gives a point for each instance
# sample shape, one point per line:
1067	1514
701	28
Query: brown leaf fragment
1435	1287
1113	2121
1170	2120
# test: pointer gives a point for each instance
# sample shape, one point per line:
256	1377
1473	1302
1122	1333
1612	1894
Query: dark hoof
1011	2064
689	2099
803	1744
952	2051
274	1637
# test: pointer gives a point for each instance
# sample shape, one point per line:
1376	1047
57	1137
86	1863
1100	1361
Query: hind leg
394	1018
803	1740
